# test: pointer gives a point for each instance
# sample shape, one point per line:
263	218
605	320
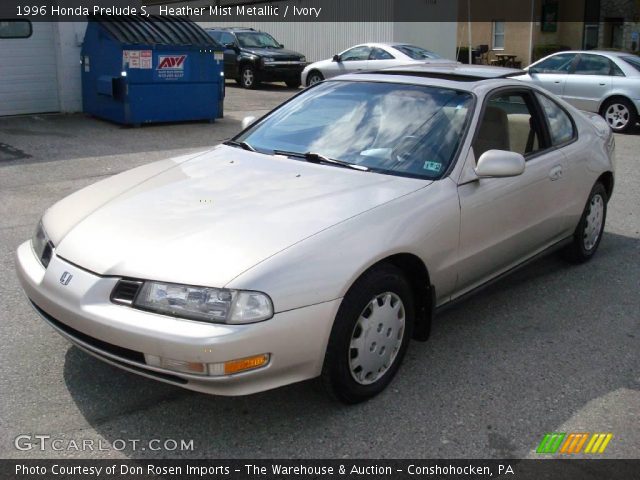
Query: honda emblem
65	278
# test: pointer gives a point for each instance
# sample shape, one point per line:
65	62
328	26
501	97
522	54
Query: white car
368	56
323	237
607	83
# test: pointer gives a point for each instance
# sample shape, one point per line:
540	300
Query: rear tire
588	234
620	114
370	336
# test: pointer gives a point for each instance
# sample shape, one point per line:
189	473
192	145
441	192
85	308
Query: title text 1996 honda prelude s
322	238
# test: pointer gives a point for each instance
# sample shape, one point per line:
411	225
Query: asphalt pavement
553	348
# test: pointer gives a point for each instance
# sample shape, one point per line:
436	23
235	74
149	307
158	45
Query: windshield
256	40
391	128
417	53
634	61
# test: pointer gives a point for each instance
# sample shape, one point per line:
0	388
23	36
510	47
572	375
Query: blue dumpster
157	69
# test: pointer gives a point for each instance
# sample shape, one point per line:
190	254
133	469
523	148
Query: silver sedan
607	83
323	238
368	56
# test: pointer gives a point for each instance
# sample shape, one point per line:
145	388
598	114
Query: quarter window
15	29
560	125
380	54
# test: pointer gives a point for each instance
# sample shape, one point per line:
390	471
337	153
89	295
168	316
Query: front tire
370	336
620	114
314	77
588	234
248	78
295	83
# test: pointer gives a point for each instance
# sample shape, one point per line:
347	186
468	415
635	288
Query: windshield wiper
312	157
243	145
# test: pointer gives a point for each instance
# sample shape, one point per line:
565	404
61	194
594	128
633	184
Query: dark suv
251	56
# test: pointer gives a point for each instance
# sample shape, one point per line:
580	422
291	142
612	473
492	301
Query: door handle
555	173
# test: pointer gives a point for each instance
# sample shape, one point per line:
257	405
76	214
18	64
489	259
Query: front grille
125	291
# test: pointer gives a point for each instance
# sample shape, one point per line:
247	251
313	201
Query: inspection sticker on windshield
432	166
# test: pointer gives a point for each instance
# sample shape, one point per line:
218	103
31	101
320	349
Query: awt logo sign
171	62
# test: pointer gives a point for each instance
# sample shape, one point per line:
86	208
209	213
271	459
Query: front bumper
82	312
280	72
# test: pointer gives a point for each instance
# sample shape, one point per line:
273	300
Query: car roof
472	78
611	53
452	70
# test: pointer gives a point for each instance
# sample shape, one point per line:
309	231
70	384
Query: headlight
217	305
303	59
42	246
267	60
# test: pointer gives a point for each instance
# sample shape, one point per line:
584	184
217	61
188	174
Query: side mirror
336	58
229	45
499	163
248	121
282	45
532	70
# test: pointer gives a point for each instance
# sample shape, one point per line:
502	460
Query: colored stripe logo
573	443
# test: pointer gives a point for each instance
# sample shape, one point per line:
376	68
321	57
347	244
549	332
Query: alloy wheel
617	116
247	77
314	78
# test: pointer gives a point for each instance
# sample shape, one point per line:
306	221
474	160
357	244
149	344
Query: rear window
15	29
634	61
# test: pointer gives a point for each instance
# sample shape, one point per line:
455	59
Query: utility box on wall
139	70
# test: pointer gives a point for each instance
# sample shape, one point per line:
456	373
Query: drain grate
8	153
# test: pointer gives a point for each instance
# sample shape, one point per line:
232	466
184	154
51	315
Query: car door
353	60
230	54
506	220
590	82
552	72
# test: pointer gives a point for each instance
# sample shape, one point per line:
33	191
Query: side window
560	63
593	65
560	125
380	54
508	124
356	53
15	29
227	38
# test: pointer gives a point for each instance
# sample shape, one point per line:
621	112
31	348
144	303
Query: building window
15	29
498	35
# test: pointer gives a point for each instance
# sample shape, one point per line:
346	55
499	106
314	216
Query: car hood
208	219
273	52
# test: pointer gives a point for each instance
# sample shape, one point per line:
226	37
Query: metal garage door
28	73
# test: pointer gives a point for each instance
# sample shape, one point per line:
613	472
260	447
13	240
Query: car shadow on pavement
501	369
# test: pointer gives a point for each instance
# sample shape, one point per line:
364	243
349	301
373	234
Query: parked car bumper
281	72
134	340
